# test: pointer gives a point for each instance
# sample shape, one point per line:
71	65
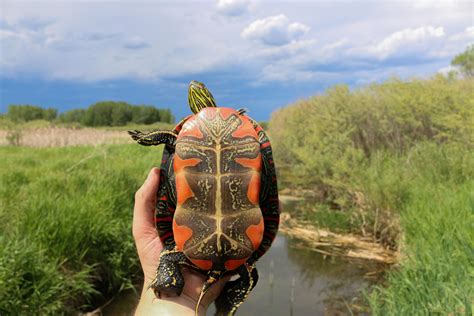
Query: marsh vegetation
390	162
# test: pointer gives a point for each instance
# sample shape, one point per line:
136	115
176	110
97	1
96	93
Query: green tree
465	62
166	116
145	114
72	116
26	112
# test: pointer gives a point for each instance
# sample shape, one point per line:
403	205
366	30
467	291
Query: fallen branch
329	243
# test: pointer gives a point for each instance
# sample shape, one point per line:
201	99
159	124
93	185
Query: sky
257	54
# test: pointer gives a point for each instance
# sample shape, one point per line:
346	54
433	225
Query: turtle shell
218	223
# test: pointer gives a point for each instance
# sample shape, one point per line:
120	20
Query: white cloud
404	39
447	70
274	30
233	7
91	41
467	34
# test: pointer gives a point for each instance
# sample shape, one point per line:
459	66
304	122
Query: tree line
106	113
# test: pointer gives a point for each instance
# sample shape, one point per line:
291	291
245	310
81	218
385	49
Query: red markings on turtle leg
181	235
163	219
166	236
255	234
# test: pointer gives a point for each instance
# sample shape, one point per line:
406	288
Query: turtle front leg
235	292
154	138
169	278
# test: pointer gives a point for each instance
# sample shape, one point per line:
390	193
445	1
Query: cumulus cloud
274	31
233	7
406	38
90	41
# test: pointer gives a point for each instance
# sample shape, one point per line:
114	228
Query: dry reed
62	137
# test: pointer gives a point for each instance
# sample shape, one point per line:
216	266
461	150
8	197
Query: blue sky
258	54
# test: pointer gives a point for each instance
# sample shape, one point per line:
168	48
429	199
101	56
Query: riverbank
332	244
393	163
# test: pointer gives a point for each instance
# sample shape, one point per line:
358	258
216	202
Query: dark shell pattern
217	166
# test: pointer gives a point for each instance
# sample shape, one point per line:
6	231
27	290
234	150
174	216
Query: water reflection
302	282
293	281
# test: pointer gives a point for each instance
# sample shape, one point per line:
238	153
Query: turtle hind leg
235	292
154	138
169	278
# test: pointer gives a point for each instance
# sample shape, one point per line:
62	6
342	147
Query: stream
292	281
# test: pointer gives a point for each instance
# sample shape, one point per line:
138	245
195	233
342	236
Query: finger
194	283
145	200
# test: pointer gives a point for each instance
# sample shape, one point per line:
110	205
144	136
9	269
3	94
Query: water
292	282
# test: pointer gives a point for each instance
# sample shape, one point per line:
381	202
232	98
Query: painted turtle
218	208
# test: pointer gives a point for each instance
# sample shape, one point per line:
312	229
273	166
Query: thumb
145	201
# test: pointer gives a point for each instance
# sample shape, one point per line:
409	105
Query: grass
65	218
392	161
437	276
433	192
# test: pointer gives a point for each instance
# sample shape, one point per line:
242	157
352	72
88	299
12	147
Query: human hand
149	247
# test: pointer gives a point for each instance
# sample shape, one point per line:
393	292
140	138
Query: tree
71	116
465	62
26	112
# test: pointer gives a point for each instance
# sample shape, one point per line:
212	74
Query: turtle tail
213	277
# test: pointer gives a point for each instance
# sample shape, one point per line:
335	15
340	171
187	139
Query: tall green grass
393	161
437	275
65	222
334	143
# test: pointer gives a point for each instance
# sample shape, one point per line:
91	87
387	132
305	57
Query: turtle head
199	97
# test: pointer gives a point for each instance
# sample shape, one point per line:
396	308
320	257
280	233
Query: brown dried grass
62	137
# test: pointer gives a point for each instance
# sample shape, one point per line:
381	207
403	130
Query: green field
390	161
65	218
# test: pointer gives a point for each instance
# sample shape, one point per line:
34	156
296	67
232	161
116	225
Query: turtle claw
170	285
135	134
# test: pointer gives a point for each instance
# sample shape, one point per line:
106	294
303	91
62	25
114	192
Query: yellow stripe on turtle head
199	97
